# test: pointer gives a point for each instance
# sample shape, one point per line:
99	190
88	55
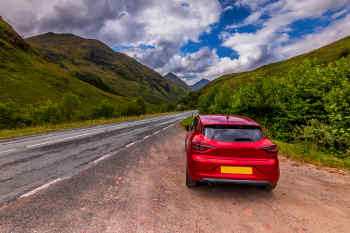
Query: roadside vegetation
306	109
49	127
69	112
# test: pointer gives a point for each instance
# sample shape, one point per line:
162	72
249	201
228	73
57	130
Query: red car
230	149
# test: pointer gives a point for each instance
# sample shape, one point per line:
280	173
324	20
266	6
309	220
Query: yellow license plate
237	170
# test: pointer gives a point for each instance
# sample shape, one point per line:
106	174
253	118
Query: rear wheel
269	187
189	182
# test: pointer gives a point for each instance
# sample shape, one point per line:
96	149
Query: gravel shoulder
142	189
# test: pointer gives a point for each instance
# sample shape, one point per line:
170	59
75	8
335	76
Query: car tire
269	187
189	182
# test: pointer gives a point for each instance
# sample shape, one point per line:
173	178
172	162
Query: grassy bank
302	151
310	153
186	121
10	133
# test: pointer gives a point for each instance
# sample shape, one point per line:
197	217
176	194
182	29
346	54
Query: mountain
26	77
322	56
172	77
97	64
200	84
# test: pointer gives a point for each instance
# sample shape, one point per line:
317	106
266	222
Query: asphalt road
33	162
142	189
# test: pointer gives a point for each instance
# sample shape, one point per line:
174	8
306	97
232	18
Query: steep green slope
26	77
172	77
324	55
97	64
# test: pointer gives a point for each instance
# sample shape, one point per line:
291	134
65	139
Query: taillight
199	146
272	148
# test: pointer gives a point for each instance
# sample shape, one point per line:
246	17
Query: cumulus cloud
164	25
335	31
272	42
154	31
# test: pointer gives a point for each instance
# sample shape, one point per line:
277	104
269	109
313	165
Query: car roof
226	120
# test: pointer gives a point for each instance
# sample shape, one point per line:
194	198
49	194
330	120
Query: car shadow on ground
241	192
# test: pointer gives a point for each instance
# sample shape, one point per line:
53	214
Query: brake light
272	148
199	146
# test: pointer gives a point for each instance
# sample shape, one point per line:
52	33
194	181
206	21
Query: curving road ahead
30	162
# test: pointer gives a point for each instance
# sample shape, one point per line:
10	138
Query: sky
194	39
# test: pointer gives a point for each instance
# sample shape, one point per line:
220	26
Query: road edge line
44	186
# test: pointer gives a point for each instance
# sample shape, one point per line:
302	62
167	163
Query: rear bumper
208	169
249	182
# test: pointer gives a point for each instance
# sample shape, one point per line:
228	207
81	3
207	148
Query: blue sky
194	39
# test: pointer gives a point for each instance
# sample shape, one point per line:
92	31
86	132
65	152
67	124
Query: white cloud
252	4
339	13
272	42
335	31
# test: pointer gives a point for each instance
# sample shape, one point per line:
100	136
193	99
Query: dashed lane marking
102	158
131	144
157	132
40	188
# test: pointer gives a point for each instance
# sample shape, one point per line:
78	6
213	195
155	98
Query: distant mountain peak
198	85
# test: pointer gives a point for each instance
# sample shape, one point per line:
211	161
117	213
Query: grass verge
309	153
186	121
10	133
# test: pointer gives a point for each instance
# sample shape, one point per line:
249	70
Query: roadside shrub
141	103
7	115
69	106
48	113
105	110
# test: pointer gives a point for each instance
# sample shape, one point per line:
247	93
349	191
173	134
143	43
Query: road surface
29	162
141	188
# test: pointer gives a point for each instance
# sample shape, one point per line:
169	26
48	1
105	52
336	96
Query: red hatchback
230	149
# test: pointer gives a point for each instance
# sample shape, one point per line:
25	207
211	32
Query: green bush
49	113
105	110
69	106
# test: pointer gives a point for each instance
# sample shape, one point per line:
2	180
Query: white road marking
40	188
57	141
7	151
148	136
131	144
166	128
102	158
156	132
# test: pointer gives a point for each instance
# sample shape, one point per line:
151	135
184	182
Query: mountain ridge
198	85
94	62
172	77
26	77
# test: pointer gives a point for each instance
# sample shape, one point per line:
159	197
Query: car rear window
228	133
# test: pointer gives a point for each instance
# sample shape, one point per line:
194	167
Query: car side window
194	124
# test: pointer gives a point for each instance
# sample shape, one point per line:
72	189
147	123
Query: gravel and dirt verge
142	189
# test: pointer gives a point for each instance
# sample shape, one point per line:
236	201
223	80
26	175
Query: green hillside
95	63
77	80
27	78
